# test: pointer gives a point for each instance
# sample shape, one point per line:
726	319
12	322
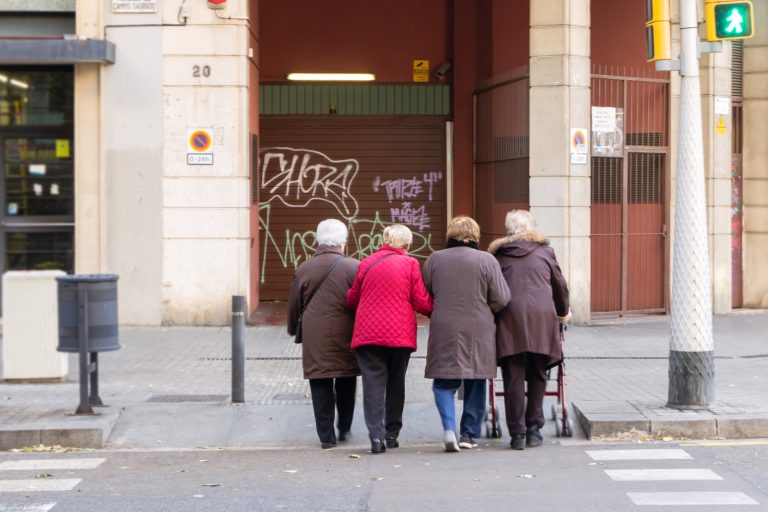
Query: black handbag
304	306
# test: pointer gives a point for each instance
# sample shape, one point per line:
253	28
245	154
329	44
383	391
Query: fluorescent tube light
332	77
19	84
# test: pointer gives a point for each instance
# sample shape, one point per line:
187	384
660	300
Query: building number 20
198	71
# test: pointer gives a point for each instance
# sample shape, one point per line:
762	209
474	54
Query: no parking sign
200	146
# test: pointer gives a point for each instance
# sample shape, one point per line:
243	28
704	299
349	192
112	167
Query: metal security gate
368	172
501	150
629	191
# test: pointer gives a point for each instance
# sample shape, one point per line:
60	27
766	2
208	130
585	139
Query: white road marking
691	498
41	507
39	484
36	464
665	454
639	475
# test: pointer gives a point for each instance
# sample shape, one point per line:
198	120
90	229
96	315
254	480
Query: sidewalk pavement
170	387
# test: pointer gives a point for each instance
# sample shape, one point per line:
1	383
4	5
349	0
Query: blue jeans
474	404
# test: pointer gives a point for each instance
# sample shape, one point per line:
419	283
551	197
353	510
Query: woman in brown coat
527	330
326	327
468	288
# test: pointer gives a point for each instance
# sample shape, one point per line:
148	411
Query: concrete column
205	208
87	147
755	126
717	127
559	102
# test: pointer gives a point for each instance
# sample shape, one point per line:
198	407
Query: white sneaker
451	444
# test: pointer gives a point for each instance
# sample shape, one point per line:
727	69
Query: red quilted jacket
385	300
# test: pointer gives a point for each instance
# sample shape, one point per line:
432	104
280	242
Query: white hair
519	221
331	232
398	236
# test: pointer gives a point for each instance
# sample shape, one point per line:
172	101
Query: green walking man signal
729	20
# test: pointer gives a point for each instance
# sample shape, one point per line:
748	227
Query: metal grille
628	217
354	99
501	150
254	168
737	69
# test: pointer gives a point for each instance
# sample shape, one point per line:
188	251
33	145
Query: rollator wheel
568	432
558	429
554	412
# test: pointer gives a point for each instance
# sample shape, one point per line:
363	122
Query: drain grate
290	396
188	398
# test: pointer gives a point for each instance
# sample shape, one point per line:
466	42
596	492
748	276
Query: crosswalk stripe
638	475
39	484
691	498
651	454
36	464
32	507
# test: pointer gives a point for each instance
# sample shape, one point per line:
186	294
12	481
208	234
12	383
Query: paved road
573	476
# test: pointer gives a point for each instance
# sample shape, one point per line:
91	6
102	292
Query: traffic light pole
691	357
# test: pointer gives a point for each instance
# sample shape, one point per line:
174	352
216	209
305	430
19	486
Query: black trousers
383	370
327	394
517	370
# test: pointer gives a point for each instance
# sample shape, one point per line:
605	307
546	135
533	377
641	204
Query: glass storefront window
38	176
40	251
36	97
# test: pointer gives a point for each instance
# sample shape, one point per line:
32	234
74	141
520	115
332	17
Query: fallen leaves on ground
43	448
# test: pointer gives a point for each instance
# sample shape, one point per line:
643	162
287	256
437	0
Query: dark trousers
517	370
383	370
328	394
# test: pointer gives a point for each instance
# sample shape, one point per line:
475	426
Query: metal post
238	349
82	336
691	361
93	368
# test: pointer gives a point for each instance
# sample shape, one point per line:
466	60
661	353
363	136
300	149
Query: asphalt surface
554	477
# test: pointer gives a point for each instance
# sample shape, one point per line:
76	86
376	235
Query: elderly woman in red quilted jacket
387	289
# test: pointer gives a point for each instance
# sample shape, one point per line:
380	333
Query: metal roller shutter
367	172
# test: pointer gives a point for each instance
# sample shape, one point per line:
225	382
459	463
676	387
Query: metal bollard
238	349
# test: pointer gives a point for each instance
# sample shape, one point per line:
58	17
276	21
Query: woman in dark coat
528	329
326	327
468	288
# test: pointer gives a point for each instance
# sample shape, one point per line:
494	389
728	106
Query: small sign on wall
200	146
421	71
134	6
579	145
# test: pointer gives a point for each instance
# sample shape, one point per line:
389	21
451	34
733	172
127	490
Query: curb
62	429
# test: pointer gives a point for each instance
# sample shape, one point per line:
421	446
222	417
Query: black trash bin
88	325
101	291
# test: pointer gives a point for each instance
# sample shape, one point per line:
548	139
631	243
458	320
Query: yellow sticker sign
62	148
421	71
721	128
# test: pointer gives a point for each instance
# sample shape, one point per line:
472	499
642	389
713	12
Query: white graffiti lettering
407	188
299	176
407	214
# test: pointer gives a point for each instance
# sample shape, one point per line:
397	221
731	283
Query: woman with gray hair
528	329
318	300
387	290
468	288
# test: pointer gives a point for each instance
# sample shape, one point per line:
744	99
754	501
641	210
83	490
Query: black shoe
328	446
392	442
344	436
518	442
467	441
533	437
377	446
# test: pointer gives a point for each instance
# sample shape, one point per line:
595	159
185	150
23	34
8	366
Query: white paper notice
37	188
54	189
603	119
722	105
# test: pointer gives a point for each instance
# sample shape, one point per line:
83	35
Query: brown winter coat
529	323
468	288
327	323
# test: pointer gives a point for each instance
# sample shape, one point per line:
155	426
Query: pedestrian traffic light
658	31
729	20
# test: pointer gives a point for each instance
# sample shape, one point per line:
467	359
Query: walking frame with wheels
560	412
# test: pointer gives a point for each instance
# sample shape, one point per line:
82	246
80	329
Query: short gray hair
519	221
398	236
331	232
